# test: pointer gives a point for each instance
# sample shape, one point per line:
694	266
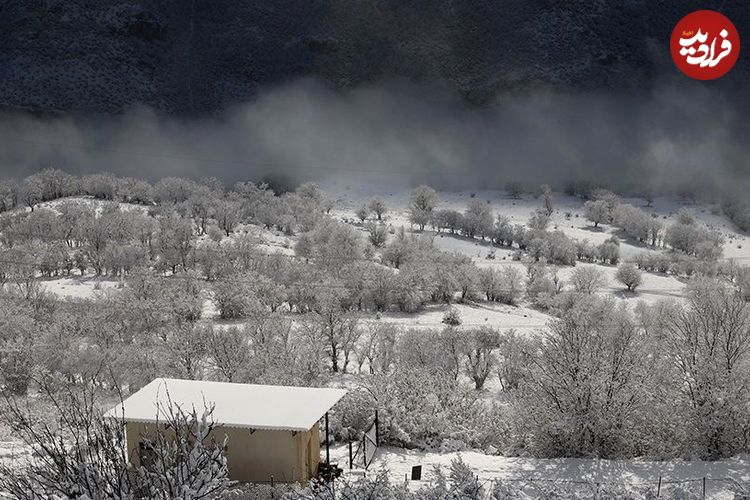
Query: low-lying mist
401	134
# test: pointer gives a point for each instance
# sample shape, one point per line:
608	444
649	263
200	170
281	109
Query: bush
452	317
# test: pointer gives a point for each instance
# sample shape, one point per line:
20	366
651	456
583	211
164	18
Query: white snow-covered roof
270	407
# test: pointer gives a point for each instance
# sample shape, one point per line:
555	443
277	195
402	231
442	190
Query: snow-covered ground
567	471
480	314
79	287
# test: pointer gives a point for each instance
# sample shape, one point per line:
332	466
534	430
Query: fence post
704	488
377	429
658	488
351	456
328	452
364	451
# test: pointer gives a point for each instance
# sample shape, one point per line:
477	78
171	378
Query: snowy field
568	471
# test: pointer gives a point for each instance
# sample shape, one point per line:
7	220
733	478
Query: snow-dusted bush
452	317
378	234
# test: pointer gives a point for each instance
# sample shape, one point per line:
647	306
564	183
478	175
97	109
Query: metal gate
362	456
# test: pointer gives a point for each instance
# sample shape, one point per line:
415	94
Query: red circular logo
705	45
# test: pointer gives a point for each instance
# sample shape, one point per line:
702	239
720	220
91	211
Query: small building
273	432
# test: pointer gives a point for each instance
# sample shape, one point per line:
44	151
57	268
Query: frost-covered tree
228	352
55	183
708	342
174	190
511	364
480	357
450	220
378	206
330	244
586	382
504	233
539	221
332	326
478	219
362	212
102	186
629	275
609	251
542	283
227	214
422	202
689	236
377	348
176	242
547	197
235	298
30	192
587	280
504	285
597	211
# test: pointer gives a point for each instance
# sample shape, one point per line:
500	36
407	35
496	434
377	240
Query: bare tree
480	358
85	456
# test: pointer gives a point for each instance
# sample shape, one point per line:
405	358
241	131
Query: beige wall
254	456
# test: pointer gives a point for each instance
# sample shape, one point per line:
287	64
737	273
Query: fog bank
402	134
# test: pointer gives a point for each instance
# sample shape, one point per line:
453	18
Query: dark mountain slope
198	56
